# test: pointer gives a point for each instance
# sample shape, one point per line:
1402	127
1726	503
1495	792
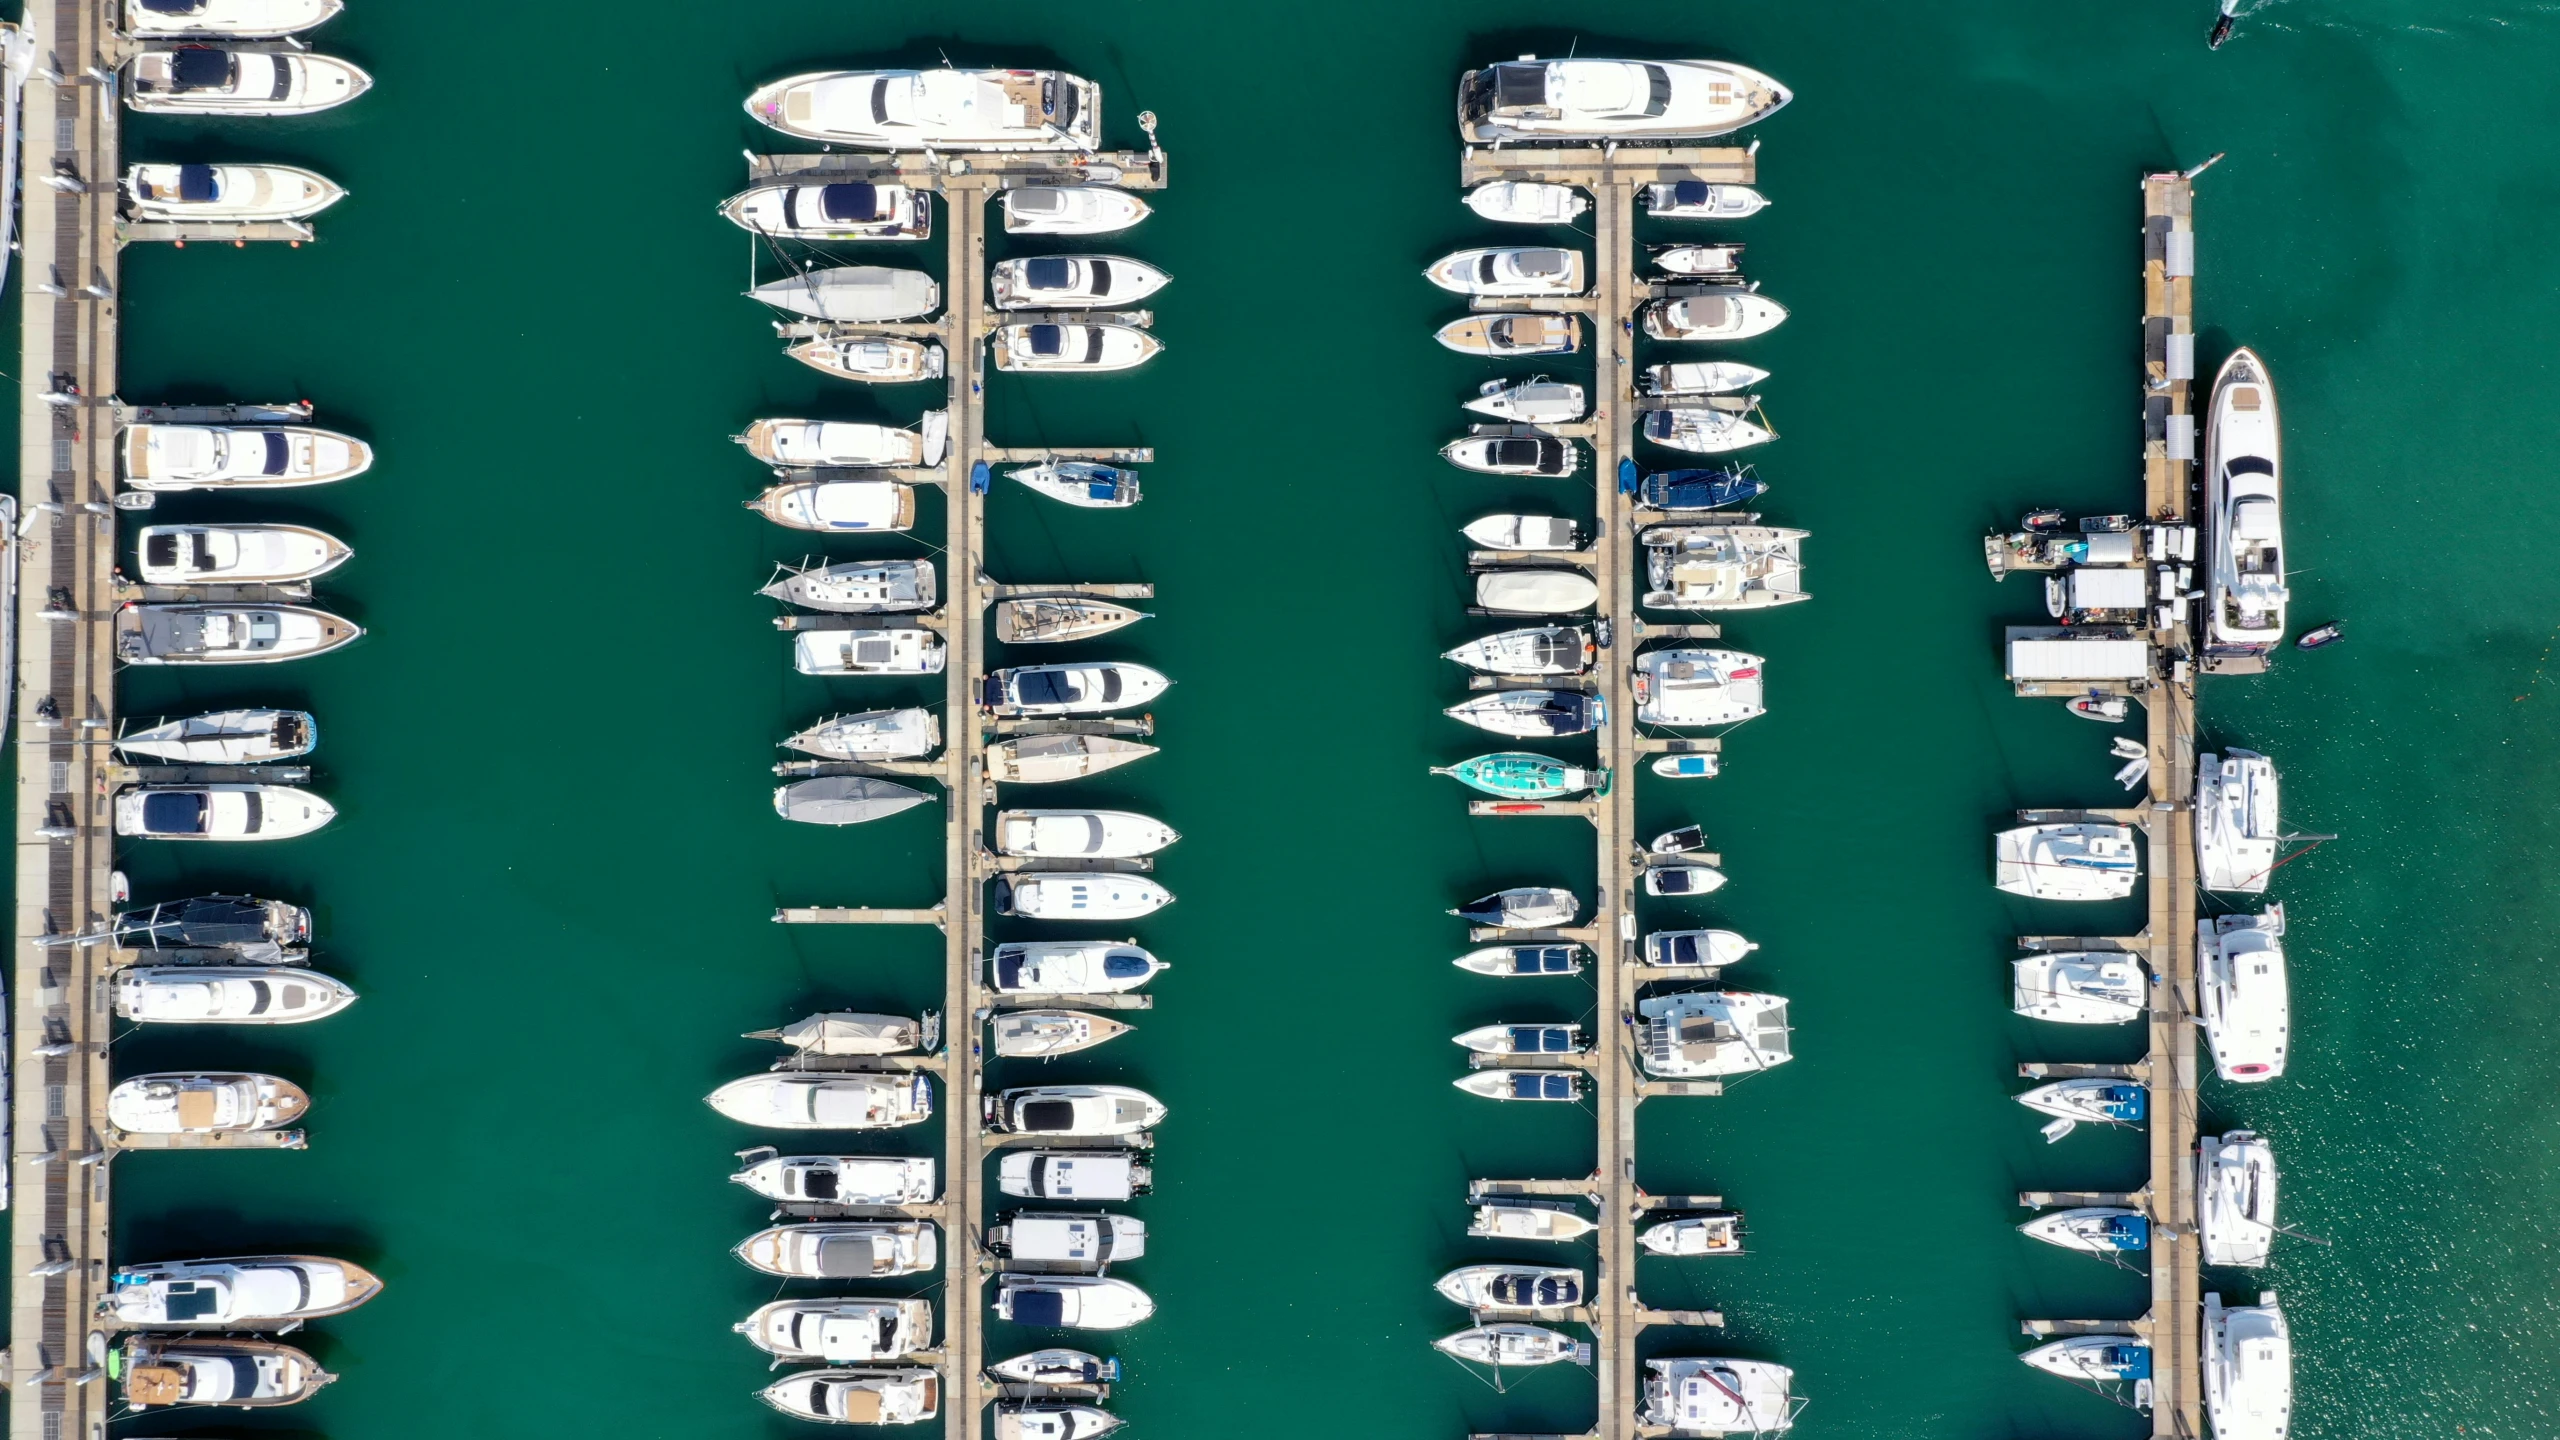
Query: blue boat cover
850	202
1039	1307
1047	273
1689	192
174	812
1048	339
195	182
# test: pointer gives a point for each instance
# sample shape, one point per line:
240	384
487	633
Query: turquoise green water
555	861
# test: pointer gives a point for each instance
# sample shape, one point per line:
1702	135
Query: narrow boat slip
871	359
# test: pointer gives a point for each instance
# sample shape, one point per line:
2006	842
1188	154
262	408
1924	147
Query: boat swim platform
248	1140
2113	944
935	330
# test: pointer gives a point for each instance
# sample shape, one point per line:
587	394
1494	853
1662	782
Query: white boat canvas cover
845	1032
2100	587
2035	655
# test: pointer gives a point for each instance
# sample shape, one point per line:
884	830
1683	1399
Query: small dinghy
250	1292
871	359
1533	714
223	457
1535	592
1053	895
854	1032
227	192
1530	402
1083	483
1687	767
1088	348
226	737
836	1179
213	1371
849	211
1071	1302
2093	1100
2092	1229
1699	687
1073	282
853	294
2066	861
223	812
1676	880
1708	1232
1702	200
1700	377
1504	335
2097	1358
2105	709
896	1395
1057	619
838	505
1713	949
1709	1396
808	1100
1105	1110
210	80
1512	1287
872	735
226	634
1530	1040
1545	651
205	1102
860	587
844	800
2079	987
1716	315
1523	1084
227	995
1513	961
1524	532
1510	272
1044	1033
230	19
1554	1220
1070	210
1699	489
1513	775
1046	759
1080	834
1721	261
1704	430
1528	907
1074	1174
844	445
1052	1420
1491	450
1056	1367
898	650
236	554
1526	202
1514	1346
2329	634
838	1331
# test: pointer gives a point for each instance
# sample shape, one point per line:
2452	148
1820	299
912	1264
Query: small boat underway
1081	834
1043	1034
1702	200
223	457
226	737
2094	1358
1526	202
1492	450
810	1100
1714	1032
1511	961
1533	1040
1640	100
255	1292
1096	688
841	444
853	294
225	634
2245	596
1071	1302
2080	987
1105	1110
838	505
942	110
2092	1229
1689	688
860	587
896	1395
1548	650
1073	1174
1046	759
1514	1345
836	1179
1090	347
1728	314
1524	532
851	211
1057	619
854	1250
227	192
839	1331
213	1370
1718	1397
1523	1084
2236	1198
1723	567
871	359
1085	483
1708	427
2088	1099
899	650
1700	377
208	1102
1533	1289
1533	714
2236	830
231	19
1707	1232
1073	282
1512	272
1717	261
2241	995
1535	592
236	554
227	995
1074	895
1531	402
1713	949
1699	489
1517	775
1068	1240
872	735
1555	1220
1502	335
219	812
1056	1367
2248	1369
2066	861
210	80
1070	210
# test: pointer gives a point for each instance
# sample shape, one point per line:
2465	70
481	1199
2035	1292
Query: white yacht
1051	1420
1089	347
226	457
2236	1197
1534	1289
2066	861
2248	1369
1081	834
215	1371
236	554
1509	272
844	1250
1514	1345
1718	1397
1527	202
1728	314
1492	450
1640	100
1523	907
227	19
906	734
2244	594
1517	961
2092	1229
853	294
813	1100
1071	1302
1090	688
1688	688
253	1292
896	650
848	211
1505	335
838	505
225	737
1707	1233
219	812
1701	261
1547	650
1521	1040
1531	402
1070	210
1713	949
227	995
1076	895
855	1032
1074	1174
2080	987
211	80
1073	1240
1069	967
1533	714
896	1395
871	359
844	444
1684	879
1535	592
1700	377
227	192
1073	282
1554	1085
1710	425
859	587
840	1331
1702	200
225	634
836	1179
1552	1220
2241	995
1723	567
204	1102
941	110
1714	1032
1105	1110
2237	833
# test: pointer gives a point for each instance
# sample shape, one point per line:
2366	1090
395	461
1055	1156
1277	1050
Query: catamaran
2241	995
2236	1197
2237	834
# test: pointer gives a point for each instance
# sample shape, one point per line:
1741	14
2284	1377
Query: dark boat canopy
211	922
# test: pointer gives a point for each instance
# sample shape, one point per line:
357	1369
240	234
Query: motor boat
840	1331
1699	489
2244	593
1105	1110
1512	334
1546	650
1531	402
2105	709
1092	688
1087	484
1070	210
853	294
1713	1032
1702	200
225	457
1523	1084
2092	1229
1511	961
1726	314
1056	1367
1046	759
1695	766
225	737
843	1250
214	80
1073	1174
235	554
216	1371
1639	100
1534	1289
1071	1302
1533	714
893	1395
1723	567
1683	880
1058	619
1527	202
823	1100
1703	1233
1073	282
1514	1346
2322	636
842	444
844	800
226	633
227	995
213	922
1088	346
942	110
2248	1369
2237	834
2236	1198
204	1102
2066	861
2080	987
871	359
837	1179
1081	834
2241	995
1718	1397
1052	1420
1516	775
2094	1359
1720	262
1535	592
851	210
1712	949
2087	1100
1509	272
1700	377
838	505
1554	1220
898	650
230	193
1691	687
1709	428
1083	1241
1076	895
1524	532
860	587
219	812
250	1292
230	19
1532	1040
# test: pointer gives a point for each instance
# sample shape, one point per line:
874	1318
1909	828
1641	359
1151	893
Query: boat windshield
201	67
1054	272
850	202
197	183
1124	967
174	813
